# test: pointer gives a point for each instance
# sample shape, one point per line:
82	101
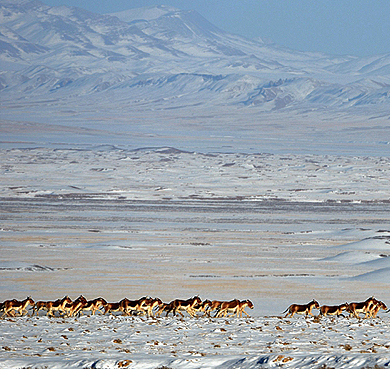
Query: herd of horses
151	307
369	308
154	307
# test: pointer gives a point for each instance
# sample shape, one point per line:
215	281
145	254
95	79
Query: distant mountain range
166	57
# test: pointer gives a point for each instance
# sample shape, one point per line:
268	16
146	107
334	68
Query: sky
338	27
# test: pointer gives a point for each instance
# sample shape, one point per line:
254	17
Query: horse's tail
286	310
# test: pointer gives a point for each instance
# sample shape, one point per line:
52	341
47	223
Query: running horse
149	305
93	306
373	308
355	308
302	309
203	307
177	306
130	307
74	308
214	306
58	305
333	310
16	306
234	307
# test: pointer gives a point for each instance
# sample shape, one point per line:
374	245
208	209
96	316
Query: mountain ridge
165	54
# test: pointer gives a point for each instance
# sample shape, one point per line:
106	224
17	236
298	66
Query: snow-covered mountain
168	58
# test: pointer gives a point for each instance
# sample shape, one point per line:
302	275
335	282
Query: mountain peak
144	14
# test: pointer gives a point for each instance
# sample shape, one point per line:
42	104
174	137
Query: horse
302	309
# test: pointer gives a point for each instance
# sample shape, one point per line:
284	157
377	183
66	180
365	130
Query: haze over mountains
93	68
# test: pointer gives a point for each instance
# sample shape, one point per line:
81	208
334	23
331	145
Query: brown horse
129	307
333	310
114	307
235	307
39	305
93	306
355	308
58	305
168	307
16	306
149	304
74	308
203	307
302	309
373	309
215	306
185	305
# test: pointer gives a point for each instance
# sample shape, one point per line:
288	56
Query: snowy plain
274	228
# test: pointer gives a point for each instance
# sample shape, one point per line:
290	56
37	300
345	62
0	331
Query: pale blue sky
355	27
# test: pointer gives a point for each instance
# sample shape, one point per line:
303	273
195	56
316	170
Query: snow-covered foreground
261	342
275	229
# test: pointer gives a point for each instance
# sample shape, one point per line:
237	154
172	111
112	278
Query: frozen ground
261	342
277	229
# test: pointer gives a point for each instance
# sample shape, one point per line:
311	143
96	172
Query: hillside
140	61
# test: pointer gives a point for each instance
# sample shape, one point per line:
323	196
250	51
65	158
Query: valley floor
275	229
